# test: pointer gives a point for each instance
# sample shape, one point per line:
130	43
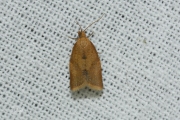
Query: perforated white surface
139	46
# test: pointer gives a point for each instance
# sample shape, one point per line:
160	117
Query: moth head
81	33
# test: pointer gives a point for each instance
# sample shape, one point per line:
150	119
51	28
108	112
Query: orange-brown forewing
85	66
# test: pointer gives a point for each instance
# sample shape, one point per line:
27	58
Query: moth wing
94	69
85	67
77	80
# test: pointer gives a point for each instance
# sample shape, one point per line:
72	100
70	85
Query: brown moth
85	65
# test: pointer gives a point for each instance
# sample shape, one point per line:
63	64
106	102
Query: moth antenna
79	25
93	23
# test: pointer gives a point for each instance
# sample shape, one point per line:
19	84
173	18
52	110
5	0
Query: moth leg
99	52
90	34
72	38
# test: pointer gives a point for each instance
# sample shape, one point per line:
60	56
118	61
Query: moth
85	65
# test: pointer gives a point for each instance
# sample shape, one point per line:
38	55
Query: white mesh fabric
138	44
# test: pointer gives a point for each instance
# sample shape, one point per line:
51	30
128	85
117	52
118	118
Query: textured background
139	46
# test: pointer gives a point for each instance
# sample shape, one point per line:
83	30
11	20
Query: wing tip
76	88
95	87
